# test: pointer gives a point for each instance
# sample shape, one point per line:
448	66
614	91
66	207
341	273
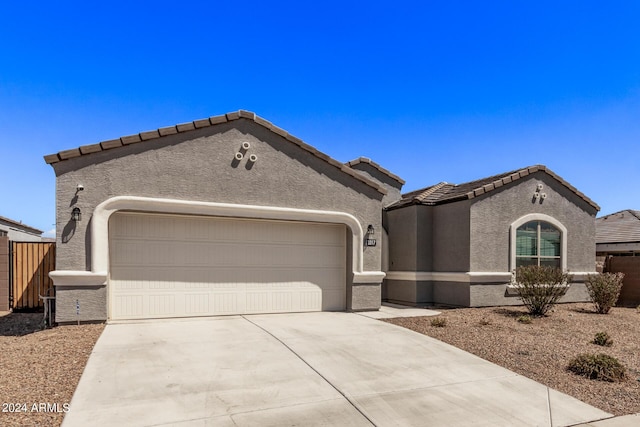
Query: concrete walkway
391	311
308	369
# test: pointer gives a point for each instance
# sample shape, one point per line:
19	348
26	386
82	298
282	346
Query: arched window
538	243
538	239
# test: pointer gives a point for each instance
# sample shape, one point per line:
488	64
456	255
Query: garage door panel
198	266
128	306
202	277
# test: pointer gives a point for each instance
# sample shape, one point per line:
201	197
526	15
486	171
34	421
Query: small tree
540	287
604	290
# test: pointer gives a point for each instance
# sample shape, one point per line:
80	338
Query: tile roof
619	227
197	124
376	166
446	193
20	225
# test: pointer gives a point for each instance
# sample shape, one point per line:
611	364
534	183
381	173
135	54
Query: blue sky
434	91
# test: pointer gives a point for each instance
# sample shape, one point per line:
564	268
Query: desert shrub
604	290
598	367
603	339
540	287
525	318
439	322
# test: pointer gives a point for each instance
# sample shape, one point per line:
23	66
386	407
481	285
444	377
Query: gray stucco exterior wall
453	242
401	226
493	213
200	165
392	186
451	230
429	238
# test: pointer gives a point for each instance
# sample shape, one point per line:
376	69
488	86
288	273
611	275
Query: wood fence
31	263
630	266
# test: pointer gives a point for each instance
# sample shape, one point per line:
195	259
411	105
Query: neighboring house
458	244
618	234
11	230
19	232
618	250
226	215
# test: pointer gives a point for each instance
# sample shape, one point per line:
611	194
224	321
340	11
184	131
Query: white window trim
538	217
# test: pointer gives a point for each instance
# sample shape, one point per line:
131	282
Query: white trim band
463	277
368	277
78	278
466	277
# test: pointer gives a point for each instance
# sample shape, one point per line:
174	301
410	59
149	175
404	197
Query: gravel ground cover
44	366
40	367
542	349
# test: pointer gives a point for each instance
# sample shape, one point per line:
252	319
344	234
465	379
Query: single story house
234	215
458	244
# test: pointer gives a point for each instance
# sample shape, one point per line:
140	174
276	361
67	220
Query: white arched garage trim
538	217
102	213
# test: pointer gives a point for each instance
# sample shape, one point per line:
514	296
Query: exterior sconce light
76	215
370	239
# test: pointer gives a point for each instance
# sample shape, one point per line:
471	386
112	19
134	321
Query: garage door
182	266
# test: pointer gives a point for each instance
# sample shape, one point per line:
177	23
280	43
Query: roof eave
202	123
526	172
377	167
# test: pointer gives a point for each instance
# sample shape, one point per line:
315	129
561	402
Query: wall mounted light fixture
76	215
370	239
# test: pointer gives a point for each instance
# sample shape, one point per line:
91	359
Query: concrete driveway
308	369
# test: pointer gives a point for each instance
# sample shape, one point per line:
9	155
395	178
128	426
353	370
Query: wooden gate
31	263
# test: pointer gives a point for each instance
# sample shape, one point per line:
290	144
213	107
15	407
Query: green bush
439	322
603	339
604	290
598	367
540	287
525	318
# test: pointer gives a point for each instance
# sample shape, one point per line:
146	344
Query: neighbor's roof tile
619	227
